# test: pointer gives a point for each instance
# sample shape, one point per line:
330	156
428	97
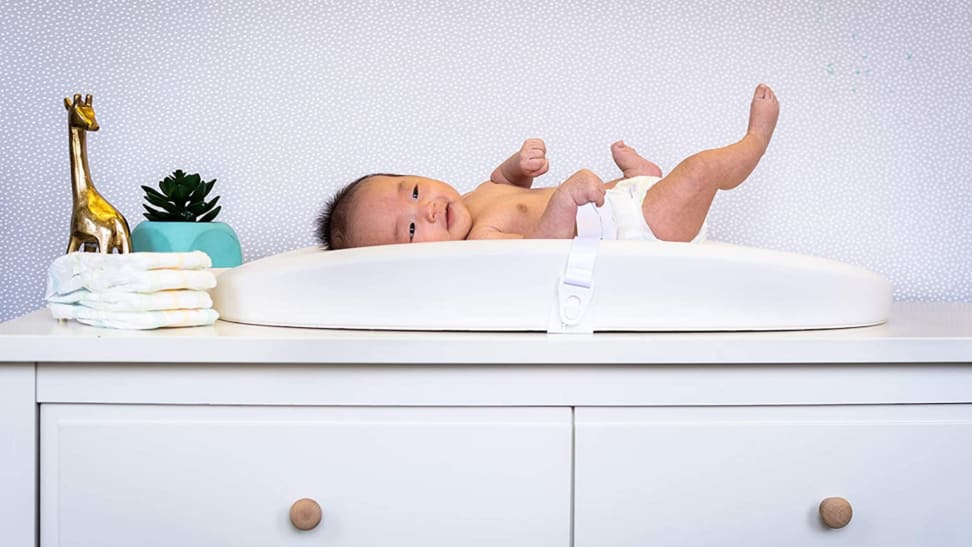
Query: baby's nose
432	210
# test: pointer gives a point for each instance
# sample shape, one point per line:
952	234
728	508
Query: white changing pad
513	285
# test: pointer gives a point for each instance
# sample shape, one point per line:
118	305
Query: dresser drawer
125	475
756	476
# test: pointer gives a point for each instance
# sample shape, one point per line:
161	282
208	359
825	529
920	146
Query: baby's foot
631	164
763	113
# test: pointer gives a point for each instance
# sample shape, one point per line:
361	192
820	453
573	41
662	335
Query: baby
381	208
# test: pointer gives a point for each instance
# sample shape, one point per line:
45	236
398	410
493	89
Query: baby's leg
677	205
630	163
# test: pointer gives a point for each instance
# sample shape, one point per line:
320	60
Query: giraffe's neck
80	176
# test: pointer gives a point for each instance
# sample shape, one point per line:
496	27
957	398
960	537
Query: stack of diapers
132	290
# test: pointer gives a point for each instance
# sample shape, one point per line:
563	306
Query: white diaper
620	217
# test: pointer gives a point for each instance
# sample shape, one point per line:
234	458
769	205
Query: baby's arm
559	219
522	167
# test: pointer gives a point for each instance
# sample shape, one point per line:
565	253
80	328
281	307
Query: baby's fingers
597	196
541	167
534	166
590	193
595	190
535	145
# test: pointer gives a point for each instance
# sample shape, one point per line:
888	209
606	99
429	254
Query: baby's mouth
448	216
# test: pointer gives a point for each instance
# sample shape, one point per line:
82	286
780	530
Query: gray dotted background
284	102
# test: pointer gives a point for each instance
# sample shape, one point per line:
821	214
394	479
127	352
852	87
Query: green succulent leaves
183	199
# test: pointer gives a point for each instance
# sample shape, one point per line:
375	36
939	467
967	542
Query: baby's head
382	208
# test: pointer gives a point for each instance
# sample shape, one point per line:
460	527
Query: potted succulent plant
181	220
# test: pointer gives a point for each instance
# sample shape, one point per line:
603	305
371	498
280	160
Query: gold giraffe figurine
93	219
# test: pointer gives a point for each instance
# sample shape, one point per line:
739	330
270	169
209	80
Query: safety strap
575	286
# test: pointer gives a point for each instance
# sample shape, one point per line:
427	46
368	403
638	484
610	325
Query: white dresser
242	435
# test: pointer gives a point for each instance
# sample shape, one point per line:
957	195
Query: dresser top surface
915	333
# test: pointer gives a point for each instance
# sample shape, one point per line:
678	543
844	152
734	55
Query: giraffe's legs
74	244
122	237
104	239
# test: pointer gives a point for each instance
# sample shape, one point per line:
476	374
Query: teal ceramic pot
217	239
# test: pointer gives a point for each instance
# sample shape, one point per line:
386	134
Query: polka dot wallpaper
283	102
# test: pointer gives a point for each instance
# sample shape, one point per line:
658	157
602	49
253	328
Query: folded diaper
73	263
132	290
147	281
129	272
141	320
134	301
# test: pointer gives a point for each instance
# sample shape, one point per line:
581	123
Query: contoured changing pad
554	286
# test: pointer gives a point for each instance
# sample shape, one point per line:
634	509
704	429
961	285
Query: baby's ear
338	241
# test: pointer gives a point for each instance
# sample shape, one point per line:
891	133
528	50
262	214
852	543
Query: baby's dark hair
333	222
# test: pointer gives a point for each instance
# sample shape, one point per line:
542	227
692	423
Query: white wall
283	102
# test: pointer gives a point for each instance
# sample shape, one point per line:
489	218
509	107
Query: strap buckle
575	289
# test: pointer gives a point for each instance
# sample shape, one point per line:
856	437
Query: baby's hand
584	187
533	158
559	219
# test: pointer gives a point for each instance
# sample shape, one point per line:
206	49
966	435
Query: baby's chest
515	214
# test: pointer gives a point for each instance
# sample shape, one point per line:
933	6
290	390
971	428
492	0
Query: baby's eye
411	231
415	192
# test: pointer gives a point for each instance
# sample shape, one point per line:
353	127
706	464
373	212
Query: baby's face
407	209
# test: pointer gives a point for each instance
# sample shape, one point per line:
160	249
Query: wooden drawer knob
305	514
835	512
